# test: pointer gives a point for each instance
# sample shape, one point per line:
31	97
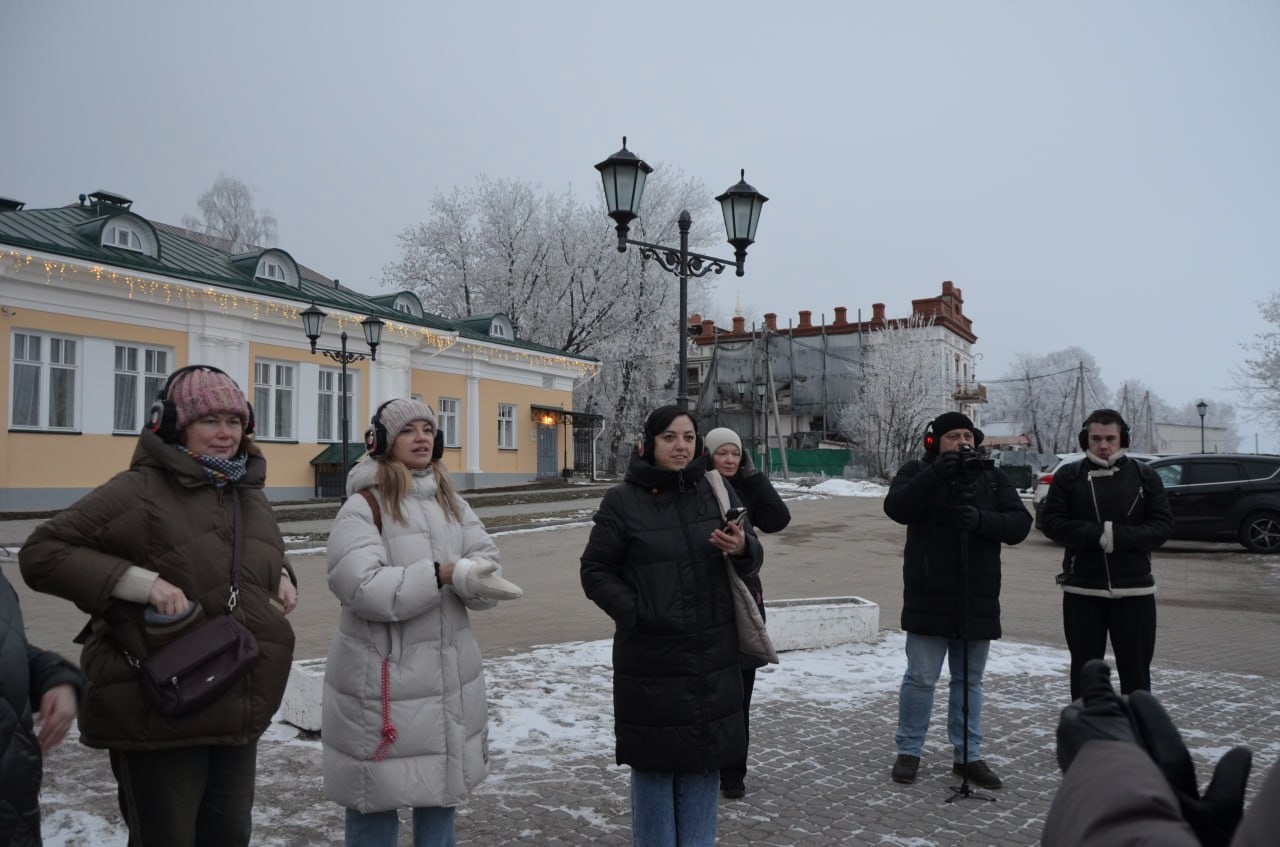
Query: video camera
972	464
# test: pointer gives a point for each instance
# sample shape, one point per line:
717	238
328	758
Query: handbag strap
237	556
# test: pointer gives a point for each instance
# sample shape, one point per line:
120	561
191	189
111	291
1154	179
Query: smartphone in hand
733	515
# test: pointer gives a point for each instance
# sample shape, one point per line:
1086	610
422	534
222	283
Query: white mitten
479	580
1108	541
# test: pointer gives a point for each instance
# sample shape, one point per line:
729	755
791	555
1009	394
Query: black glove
966	517
947	465
1215	815
746	467
1099	715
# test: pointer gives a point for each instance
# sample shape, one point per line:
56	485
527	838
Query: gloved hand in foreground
479	580
1099	715
1214	815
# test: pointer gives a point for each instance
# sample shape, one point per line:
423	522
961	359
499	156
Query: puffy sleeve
479	546
362	576
603	562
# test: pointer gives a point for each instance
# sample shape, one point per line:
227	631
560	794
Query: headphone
377	442
162	419
931	440
1095	417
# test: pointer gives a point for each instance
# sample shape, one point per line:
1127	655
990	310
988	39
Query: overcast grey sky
1099	173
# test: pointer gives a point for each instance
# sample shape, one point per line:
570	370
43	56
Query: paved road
819	772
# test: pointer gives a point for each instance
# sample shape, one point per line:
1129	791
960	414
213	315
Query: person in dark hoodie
1110	512
31	680
655	563
950	501
767	513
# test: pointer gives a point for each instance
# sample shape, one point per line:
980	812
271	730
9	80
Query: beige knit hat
397	413
720	436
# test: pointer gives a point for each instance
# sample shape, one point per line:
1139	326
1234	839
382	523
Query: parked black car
1224	497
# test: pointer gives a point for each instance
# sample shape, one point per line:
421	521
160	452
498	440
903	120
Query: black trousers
1131	623
734	774
187	796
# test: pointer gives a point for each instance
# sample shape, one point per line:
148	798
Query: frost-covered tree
904	385
551	264
1259	379
1047	393
227	212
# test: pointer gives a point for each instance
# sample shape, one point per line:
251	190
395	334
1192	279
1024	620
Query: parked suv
1045	478
1224	497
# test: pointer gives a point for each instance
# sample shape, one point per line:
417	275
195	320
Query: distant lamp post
1202	407
761	388
715	408
624	174
741	387
313	326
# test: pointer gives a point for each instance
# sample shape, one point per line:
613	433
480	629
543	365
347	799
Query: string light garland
283	312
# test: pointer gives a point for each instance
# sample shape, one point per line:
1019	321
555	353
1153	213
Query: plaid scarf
220	472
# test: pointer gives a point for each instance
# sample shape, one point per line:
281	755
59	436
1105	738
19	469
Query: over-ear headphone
1102	416
162	419
377	442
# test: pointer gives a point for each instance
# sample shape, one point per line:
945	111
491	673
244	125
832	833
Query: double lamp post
313	326
624	176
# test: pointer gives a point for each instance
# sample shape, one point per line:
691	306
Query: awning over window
332	455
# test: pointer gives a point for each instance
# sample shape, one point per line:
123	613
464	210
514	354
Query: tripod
965	495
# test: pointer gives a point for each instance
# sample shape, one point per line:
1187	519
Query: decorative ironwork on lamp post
1202	407
624	175
313	326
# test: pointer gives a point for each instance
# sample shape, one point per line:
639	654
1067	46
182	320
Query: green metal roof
204	259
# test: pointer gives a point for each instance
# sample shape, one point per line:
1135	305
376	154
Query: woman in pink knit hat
149	556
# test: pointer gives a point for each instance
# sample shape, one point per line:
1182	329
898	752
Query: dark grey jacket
26	673
650	565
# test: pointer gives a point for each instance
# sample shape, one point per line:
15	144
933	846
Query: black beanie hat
948	421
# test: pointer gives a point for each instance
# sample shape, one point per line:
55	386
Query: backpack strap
374	507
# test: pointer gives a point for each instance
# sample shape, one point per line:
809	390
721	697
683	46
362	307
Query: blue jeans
432	827
674	809
915	698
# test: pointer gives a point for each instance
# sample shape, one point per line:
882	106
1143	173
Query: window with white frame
119	235
449	421
273	393
140	373
329	404
44	366
506	426
404	307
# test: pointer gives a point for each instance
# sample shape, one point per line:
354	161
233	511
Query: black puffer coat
26	673
931	595
164	515
650	564
1130	495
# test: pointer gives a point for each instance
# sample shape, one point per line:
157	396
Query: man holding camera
1110	512
958	511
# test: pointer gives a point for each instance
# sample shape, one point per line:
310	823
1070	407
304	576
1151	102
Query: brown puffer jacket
163	514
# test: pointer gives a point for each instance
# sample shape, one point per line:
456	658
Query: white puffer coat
392	609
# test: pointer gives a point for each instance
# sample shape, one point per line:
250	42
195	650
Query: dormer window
497	330
122	236
272	270
404	307
273	265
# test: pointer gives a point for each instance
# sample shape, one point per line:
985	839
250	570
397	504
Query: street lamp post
313	326
1202	407
761	388
624	174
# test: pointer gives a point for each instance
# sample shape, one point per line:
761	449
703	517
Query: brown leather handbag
197	668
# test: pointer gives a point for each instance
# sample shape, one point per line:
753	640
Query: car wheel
1260	532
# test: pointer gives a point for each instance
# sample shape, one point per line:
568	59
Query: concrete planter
303	694
821	622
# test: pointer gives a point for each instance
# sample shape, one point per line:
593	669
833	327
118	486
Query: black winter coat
932	585
650	565
26	673
1132	497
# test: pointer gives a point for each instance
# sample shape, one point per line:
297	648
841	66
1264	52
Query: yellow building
98	305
